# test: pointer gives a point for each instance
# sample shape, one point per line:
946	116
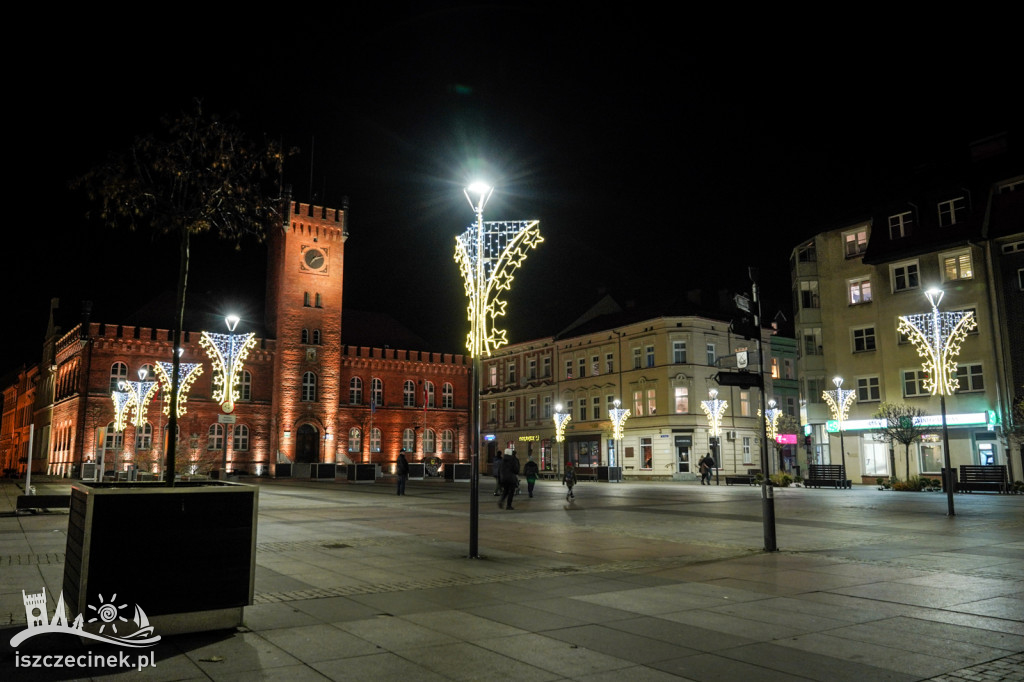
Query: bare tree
900	425
199	175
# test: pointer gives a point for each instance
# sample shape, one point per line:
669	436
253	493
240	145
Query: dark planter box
186	555
283	469
323	471
609	474
362	473
417	471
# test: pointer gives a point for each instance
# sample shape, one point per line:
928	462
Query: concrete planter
186	554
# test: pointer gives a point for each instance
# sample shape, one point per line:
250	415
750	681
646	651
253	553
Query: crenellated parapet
316	222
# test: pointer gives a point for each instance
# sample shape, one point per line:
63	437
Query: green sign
832	426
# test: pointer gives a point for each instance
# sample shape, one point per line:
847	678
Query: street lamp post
839	401
561	419
771	422
618	416
227	353
714	409
487	254
937	337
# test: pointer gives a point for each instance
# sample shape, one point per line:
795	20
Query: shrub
913	483
781	480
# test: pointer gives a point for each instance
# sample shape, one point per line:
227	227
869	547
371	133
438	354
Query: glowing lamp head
934	296
142	373
616	402
479	188
838	381
558	407
232	322
713	393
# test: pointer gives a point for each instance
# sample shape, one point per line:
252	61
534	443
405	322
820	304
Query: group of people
505	469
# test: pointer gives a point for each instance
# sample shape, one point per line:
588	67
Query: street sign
226	418
742	302
740	379
741	359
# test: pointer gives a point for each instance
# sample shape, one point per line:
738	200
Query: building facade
952	229
304	395
660	368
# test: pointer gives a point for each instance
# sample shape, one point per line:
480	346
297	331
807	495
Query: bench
43	502
748	479
983	477
833	475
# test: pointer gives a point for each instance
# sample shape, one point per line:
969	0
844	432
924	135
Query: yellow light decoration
512	240
142	392
561	419
839	401
771	421
618	416
937	337
227	352
188	372
714	409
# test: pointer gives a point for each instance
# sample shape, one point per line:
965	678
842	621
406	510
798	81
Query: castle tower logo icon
111	621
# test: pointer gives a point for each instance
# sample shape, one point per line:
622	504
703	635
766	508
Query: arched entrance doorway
307	444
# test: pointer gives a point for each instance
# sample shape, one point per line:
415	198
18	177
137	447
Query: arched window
429	441
215	437
375	440
118	373
308	387
305	336
144	436
355	440
114	440
447	441
408	394
429	388
447	396
377	392
240	437
355	391
245	385
409	440
316	337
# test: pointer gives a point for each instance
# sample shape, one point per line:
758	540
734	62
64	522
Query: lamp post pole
937	337
714	409
839	402
487	254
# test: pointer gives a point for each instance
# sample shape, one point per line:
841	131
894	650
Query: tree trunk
892	461
907	448
172	422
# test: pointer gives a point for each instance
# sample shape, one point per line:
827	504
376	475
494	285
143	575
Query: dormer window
900	225
952	212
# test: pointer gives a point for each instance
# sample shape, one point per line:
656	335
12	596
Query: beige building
660	368
851	285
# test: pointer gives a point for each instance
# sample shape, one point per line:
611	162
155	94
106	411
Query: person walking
496	472
402	470
707	463
509	476
531	471
569	479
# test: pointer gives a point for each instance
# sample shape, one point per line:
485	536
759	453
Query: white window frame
869	389
855	242
971	376
409	440
863	339
215	437
409	393
681	399
309	387
240	438
955	261
375	439
429	441
905	266
376	391
950	209
679	352
900	224
859	290
917	376
355	440
447	395
447	441
355	391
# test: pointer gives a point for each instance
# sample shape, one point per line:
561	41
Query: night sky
657	151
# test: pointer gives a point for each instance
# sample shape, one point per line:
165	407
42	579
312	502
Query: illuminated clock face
314	259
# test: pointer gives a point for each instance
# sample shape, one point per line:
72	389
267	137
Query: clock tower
306	257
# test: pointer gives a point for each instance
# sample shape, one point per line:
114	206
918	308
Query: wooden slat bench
832	475
748	479
983	477
43	502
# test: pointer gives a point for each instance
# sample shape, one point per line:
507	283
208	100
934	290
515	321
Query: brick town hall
305	396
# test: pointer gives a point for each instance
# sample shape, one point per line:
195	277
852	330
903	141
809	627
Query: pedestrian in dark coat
569	479
496	472
402	471
531	471
509	475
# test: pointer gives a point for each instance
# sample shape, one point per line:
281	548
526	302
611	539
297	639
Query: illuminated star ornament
937	337
122	402
504	248
839	401
618	415
714	409
771	421
561	419
188	372
227	352
141	393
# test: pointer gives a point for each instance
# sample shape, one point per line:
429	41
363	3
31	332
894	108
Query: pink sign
786	438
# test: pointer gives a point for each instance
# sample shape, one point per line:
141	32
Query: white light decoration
488	254
771	421
188	372
123	400
714	409
561	419
618	416
227	352
937	337
839	401
142	392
